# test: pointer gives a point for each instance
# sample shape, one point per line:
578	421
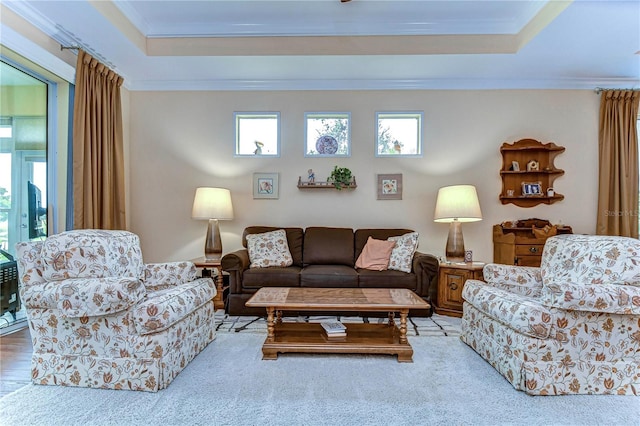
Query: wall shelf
522	152
324	184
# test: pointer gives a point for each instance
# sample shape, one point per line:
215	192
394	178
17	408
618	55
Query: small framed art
390	186
532	189
265	185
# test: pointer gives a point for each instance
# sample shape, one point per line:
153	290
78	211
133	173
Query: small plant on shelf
340	177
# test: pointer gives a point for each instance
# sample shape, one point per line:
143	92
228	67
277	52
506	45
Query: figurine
312	176
259	146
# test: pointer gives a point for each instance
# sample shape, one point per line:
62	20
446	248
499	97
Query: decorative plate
327	145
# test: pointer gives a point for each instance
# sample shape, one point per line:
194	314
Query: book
333	328
335	335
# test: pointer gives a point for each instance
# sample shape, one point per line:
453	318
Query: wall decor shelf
324	184
528	173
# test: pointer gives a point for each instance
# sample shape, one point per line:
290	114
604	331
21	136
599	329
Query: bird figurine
397	146
259	146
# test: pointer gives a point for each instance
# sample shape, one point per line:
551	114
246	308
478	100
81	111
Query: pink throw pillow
375	255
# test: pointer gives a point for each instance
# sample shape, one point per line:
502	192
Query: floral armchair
571	326
99	317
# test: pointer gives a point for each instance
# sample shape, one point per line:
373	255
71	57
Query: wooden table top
369	299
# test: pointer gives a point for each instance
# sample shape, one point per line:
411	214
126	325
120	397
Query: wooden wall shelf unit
522	152
325	185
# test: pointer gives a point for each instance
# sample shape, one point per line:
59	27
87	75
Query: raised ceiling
362	44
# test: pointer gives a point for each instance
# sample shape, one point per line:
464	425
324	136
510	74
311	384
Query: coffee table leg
270	325
391	318
403	325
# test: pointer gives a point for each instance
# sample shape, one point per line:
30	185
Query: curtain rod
599	90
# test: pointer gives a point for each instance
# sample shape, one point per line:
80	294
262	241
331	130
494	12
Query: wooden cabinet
518	245
451	279
529	162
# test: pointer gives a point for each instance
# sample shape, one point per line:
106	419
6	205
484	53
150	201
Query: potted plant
340	177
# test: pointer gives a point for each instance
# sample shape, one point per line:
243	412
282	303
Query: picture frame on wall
266	185
390	186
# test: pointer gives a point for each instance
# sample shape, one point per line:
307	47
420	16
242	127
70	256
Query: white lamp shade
457	203
212	203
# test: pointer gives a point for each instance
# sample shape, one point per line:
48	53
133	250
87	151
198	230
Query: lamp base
213	243
455	243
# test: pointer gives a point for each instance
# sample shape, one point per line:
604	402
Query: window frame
326	115
400	115
239	115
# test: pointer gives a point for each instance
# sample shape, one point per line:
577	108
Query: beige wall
182	140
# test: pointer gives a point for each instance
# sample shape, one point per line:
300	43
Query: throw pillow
402	254
269	249
375	255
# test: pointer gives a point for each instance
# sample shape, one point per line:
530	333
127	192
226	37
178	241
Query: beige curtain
98	159
618	185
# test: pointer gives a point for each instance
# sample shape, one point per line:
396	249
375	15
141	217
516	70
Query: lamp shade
457	203
212	203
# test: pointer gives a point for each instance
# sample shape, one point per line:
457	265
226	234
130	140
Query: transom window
257	134
399	134
327	134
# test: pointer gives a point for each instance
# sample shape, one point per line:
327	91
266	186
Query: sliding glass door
24	185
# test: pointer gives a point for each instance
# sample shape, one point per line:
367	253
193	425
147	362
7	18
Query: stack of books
334	328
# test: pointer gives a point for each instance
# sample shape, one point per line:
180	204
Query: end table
207	265
451	279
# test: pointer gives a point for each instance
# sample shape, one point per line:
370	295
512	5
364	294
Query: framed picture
515	166
265	185
532	189
390	187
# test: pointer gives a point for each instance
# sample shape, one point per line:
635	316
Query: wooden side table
207	265
451	279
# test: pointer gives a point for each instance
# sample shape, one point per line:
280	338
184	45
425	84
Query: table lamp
457	204
212	204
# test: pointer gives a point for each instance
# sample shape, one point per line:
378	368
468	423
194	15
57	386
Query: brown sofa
324	257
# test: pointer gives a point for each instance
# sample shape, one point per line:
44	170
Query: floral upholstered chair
571	326
99	317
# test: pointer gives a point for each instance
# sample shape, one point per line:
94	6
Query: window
327	134
257	134
399	134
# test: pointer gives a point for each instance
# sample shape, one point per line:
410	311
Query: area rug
229	384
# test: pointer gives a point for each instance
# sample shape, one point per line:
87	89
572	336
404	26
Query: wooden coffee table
364	338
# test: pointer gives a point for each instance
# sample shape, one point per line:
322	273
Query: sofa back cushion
92	253
295	239
362	235
328	246
592	273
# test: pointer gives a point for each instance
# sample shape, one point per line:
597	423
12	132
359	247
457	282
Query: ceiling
362	44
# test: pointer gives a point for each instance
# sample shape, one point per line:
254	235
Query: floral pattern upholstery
124	325
269	249
544	349
402	253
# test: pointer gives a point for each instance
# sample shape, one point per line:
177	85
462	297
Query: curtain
618	155
98	157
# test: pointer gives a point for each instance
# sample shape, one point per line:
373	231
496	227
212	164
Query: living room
181	137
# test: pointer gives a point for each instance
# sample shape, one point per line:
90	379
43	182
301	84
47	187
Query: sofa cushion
271	277
91	254
361	236
295	238
328	246
521	313
328	276
269	249
402	254
375	255
592	273
386	279
166	307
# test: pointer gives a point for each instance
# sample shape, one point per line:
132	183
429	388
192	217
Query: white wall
182	140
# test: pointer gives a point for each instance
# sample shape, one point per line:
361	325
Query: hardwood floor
15	361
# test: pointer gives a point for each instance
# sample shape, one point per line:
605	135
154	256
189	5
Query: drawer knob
533	249
453	286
